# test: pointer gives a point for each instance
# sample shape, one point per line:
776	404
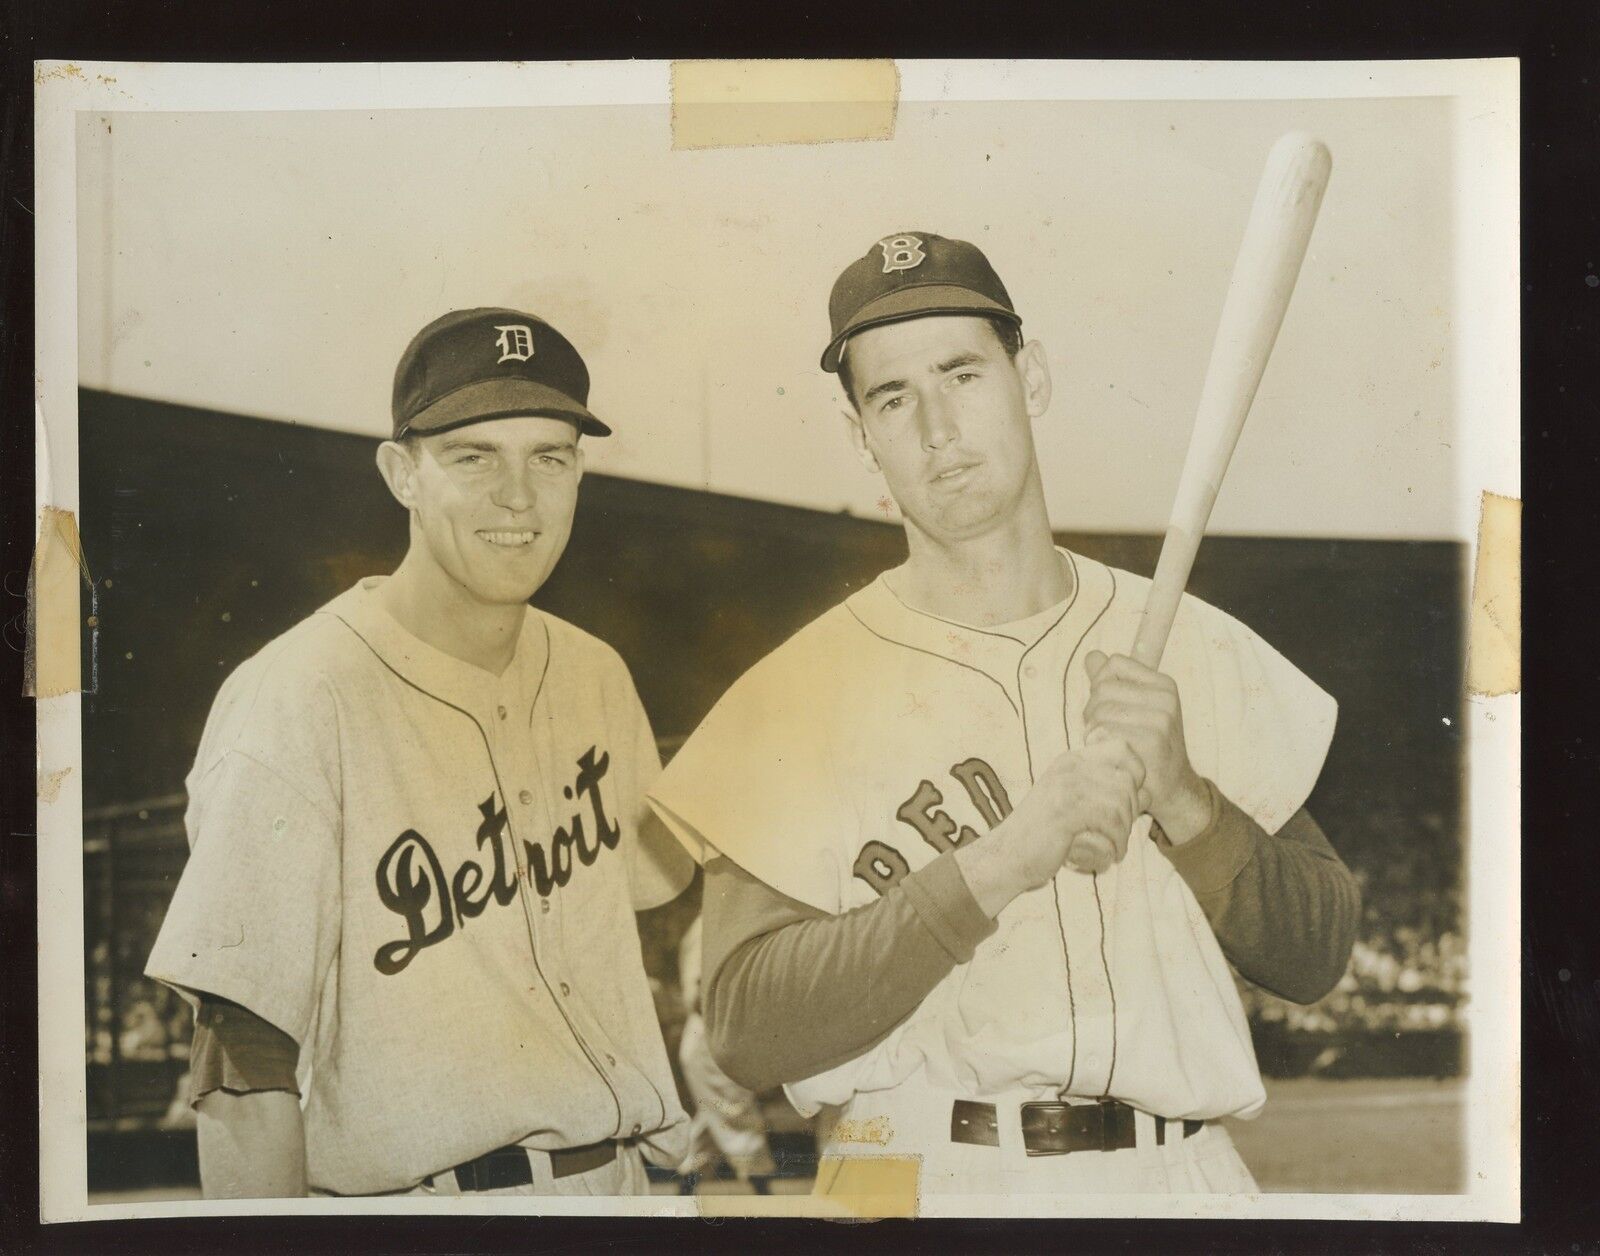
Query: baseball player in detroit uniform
886	802
418	838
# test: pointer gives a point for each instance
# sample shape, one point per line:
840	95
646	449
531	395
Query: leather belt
506	1167
1059	1128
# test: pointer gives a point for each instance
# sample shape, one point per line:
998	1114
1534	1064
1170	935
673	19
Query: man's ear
1035	372
857	433
399	471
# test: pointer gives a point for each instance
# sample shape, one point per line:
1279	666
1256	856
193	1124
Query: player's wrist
1187	811
993	870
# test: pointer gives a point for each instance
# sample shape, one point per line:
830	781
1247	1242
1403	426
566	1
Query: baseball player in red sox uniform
418	838
885	805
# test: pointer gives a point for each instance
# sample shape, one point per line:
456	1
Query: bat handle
1092	852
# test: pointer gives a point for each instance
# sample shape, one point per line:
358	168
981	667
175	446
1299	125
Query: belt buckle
1053	1127
499	1169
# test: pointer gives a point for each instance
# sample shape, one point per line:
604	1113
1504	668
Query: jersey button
611	1059
525	797
1030	671
636	1130
565	989
544	904
501	712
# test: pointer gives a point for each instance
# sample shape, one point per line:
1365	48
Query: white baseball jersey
879	737
427	876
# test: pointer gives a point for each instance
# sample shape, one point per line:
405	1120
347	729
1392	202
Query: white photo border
1487	392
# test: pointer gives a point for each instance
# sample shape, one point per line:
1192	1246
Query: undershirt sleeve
1284	906
236	1051
792	991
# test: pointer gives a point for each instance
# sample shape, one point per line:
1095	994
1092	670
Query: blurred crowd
1397	980
155	1024
1408	968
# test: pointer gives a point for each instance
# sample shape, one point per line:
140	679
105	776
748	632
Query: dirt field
1402	1136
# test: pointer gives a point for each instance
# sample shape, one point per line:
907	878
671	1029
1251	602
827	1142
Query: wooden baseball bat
1274	245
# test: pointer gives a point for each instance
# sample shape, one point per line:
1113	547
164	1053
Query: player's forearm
1284	906
251	1146
792	991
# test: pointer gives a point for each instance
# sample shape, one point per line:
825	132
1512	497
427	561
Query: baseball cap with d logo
909	275
472	365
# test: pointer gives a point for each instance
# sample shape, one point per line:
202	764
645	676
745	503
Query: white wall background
275	264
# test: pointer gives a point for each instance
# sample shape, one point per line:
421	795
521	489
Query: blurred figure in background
727	1123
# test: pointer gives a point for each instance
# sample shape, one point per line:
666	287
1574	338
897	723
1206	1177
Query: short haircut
1007	332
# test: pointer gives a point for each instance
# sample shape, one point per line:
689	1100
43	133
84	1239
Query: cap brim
502	399
914	302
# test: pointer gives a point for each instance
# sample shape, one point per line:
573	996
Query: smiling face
491	503
946	414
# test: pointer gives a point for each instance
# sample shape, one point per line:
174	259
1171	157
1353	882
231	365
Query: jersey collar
431	669
995	650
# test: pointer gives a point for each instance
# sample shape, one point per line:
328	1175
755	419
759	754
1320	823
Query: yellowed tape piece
848	1188
730	104
53	665
1494	641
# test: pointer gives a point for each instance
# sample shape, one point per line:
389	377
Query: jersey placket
1081	899
633	1093
524	788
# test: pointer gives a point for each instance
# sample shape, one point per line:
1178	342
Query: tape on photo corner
848	1188
53	662
1494	642
730	104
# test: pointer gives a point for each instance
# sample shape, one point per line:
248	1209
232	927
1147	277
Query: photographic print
845	639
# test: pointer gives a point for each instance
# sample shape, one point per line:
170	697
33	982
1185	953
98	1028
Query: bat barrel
1274	246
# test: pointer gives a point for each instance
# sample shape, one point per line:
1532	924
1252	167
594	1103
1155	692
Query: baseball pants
624	1175
915	1119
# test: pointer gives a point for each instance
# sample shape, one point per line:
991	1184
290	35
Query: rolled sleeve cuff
236	1051
1213	859
939	895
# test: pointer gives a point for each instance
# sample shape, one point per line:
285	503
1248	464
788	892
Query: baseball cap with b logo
910	275
472	365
